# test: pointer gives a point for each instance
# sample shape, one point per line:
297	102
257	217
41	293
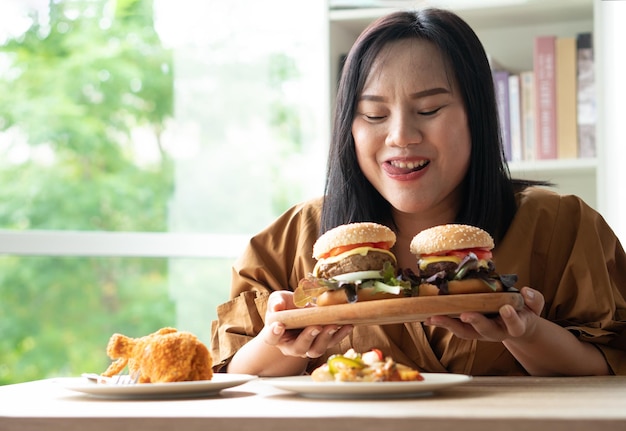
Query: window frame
121	244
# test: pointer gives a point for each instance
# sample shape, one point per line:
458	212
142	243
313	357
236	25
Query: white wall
609	35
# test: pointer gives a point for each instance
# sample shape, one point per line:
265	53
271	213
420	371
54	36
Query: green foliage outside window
74	87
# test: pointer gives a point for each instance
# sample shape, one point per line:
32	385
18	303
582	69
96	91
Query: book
527	98
586	96
501	86
515	118
566	115
544	65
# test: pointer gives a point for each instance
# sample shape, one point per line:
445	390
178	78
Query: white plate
305	386
199	388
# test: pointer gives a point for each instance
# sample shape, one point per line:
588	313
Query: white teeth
407	165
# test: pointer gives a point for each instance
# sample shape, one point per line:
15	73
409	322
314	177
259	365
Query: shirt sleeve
274	259
590	298
565	249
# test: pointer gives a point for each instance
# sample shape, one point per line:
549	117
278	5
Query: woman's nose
403	131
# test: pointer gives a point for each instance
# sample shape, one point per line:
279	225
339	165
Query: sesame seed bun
353	233
450	237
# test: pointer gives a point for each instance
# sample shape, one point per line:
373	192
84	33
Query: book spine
586	97
527	96
501	83
544	65
515	118
567	128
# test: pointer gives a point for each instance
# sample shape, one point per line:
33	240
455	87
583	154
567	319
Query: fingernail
277	328
529	294
507	311
332	331
315	333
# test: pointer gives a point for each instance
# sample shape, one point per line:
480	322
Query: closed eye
372	118
431	112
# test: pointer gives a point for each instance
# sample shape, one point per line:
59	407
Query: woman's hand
542	347
309	342
509	323
276	351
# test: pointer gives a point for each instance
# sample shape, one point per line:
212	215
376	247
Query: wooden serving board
387	311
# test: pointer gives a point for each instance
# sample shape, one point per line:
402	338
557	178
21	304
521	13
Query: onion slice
358	276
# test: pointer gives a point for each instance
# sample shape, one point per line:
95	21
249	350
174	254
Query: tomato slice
481	253
342	249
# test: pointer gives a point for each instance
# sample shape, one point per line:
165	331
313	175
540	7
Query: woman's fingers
519	324
328	337
515	325
458	327
533	299
279	301
273	333
312	341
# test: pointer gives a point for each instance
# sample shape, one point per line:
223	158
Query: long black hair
489	198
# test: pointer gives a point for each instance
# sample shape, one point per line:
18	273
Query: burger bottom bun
456	287
335	297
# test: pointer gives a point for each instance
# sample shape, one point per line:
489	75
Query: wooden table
485	403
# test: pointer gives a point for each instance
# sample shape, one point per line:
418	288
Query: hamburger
457	258
354	263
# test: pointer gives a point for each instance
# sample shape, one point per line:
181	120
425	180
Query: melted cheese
359	250
425	261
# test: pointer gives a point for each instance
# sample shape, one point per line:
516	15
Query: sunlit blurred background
145	116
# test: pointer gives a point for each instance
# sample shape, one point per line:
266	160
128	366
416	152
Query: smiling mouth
402	167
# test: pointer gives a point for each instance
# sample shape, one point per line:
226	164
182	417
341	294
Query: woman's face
410	130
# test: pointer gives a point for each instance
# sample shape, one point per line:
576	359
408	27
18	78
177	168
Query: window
141	143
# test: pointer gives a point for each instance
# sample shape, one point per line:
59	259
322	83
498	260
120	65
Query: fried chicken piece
167	355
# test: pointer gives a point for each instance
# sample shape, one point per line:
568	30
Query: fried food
367	367
167	355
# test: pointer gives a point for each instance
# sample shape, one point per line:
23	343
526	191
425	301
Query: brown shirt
556	244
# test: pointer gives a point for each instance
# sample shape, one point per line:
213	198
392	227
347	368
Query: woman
416	144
